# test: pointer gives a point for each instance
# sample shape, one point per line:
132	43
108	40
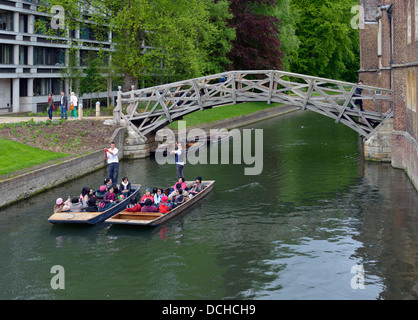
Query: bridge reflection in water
150	109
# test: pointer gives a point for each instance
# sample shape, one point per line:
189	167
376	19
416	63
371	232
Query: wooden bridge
150	109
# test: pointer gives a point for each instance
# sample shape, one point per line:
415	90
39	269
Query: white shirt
179	159
113	158
74	100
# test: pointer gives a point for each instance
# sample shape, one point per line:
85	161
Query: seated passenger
84	196
196	187
101	192
164	206
75	205
149	207
180	182
108	183
60	206
109	199
125	187
179	198
178	187
133	206
92	204
157	196
146	196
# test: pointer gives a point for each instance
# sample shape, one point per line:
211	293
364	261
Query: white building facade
31	62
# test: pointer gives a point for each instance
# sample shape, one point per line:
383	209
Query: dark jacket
64	100
122	187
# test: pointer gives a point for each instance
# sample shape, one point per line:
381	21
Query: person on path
50	106
112	162
73	105
358	92
63	105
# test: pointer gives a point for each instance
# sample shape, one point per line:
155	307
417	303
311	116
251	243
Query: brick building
389	59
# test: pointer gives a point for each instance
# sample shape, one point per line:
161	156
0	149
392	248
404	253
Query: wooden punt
94	217
154	218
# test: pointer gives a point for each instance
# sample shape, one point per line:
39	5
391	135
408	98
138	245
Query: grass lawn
16	156
224	112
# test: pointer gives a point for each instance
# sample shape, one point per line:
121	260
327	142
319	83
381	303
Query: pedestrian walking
73	105
112	163
358	92
63	105
50	106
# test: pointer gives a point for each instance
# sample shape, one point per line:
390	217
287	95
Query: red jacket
164	207
145	197
136	208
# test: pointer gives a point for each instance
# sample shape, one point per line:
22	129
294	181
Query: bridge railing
149	109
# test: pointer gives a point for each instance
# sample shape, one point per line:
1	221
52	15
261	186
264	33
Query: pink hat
164	198
103	188
59	201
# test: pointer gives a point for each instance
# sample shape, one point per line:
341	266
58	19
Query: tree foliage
157	38
160	41
329	46
257	43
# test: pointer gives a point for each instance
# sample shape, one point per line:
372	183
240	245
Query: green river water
317	213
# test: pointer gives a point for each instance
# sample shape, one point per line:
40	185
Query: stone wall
51	175
405	154
379	146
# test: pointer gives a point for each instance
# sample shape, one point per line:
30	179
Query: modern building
31	63
389	59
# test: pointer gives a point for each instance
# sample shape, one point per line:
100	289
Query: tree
93	80
329	47
257	44
289	42
71	71
157	38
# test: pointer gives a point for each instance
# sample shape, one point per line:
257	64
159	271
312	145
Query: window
6	53
23	55
23	23
409	23
42	87
416	19
48	56
6	20
411	91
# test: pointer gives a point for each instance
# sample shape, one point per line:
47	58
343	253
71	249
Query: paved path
10	119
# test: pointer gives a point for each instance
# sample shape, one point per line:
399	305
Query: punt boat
154	218
94	217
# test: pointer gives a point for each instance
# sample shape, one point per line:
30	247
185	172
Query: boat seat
138	215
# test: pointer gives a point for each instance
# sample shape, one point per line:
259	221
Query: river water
317	223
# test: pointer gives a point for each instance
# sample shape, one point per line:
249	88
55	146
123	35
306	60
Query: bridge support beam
136	147
379	146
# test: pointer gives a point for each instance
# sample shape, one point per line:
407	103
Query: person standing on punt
179	154
112	162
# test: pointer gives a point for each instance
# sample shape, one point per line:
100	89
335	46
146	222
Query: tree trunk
128	81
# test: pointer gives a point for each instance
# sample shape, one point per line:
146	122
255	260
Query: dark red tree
257	44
